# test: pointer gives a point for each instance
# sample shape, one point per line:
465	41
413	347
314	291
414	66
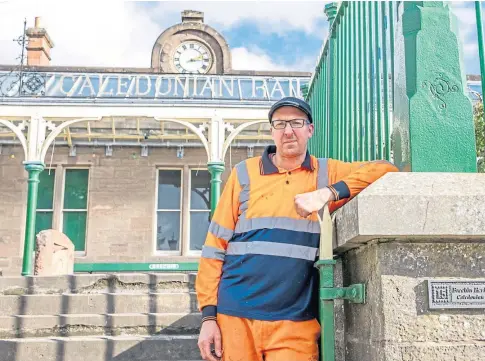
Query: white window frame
61	223
187	250
157	252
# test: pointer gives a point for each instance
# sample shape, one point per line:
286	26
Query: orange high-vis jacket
258	258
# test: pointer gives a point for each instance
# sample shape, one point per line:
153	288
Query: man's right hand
210	334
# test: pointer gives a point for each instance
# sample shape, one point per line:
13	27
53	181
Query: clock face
192	57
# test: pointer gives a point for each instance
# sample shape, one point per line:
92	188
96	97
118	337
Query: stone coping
414	206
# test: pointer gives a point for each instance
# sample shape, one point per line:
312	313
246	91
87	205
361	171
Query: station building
128	153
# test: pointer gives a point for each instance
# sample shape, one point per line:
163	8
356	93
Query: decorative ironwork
21	82
440	87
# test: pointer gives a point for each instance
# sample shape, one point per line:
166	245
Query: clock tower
191	47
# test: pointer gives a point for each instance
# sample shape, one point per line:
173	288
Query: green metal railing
478	12
381	76
351	88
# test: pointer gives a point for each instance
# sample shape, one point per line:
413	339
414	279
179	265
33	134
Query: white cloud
111	33
256	59
243	59
269	16
107	33
467	29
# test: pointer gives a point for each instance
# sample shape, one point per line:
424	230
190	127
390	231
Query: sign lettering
456	294
156	86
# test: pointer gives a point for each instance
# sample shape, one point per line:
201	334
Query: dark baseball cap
292	102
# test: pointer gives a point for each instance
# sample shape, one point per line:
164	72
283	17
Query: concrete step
105	324
101	348
85	303
97	283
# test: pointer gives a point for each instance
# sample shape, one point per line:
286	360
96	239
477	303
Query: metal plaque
456	294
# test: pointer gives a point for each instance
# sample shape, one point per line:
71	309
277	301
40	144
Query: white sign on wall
156	86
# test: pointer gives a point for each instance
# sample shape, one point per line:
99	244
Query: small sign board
456	294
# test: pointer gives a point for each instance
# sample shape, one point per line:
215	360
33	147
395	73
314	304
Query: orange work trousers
252	340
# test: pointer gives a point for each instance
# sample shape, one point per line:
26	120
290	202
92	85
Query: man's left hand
306	203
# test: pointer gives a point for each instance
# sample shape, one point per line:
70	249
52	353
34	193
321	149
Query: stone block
103	173
118	249
396	322
54	254
413	206
143	223
97	324
401	231
102	348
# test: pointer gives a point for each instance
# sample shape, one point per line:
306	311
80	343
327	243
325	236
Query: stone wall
121	201
396	323
13	196
406	229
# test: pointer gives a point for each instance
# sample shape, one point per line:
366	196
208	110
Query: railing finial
331	11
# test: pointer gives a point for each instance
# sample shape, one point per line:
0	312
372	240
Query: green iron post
331	12
215	170
433	129
354	293
478	11
34	169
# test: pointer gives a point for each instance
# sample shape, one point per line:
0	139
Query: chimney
192	16
39	46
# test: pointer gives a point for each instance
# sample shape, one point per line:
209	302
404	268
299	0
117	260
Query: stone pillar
433	117
40	45
402	233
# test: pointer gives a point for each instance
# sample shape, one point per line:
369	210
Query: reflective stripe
243	177
300	225
213	252
272	249
322	176
220	231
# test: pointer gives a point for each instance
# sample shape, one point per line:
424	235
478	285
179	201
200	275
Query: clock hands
200	57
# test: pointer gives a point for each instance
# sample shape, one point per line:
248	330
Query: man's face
291	142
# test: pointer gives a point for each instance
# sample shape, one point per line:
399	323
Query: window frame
179	252
53	198
62	210
187	250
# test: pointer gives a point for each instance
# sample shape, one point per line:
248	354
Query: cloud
268	16
243	59
256	59
111	33
467	30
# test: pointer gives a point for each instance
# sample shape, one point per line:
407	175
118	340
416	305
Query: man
256	284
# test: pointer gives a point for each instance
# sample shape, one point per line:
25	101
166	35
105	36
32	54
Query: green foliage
478	117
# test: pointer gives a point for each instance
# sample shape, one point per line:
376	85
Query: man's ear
311	129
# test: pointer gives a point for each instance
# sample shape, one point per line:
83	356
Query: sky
262	35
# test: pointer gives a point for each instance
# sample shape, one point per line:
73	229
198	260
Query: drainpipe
34	169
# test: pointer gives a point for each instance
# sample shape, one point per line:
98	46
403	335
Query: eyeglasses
294	123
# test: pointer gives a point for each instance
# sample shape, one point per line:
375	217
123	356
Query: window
45	201
169	201
183	210
75	204
199	208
